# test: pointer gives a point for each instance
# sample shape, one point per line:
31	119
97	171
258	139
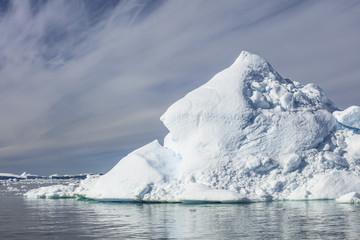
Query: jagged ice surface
246	135
349	117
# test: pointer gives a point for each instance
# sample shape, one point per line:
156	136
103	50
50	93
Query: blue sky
83	83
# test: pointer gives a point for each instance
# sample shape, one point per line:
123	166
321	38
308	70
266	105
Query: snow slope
246	135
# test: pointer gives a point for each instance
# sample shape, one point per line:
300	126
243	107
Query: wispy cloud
84	82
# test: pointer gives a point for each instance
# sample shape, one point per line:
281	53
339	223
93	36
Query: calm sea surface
71	219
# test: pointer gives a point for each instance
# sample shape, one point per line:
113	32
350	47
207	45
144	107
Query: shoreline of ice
68	192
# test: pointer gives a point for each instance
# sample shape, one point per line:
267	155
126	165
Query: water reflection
67	218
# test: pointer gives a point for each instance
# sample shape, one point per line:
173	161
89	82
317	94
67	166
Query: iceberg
32	176
7	176
350	117
352	197
54	192
246	135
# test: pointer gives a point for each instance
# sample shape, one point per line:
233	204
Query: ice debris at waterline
352	197
246	135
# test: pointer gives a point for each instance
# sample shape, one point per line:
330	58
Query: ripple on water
68	218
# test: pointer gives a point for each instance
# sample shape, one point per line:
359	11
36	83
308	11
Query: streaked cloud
82	83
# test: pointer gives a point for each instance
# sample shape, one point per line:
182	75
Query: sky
84	82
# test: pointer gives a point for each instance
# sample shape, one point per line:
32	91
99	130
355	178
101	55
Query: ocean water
22	218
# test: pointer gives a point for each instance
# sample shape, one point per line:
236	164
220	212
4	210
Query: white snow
353	148
246	135
352	197
201	193
54	191
136	174
329	185
350	117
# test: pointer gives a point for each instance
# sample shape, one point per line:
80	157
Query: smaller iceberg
353	197
32	176
6	176
350	117
54	191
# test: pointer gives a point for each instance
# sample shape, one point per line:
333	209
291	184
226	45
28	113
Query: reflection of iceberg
93	220
247	134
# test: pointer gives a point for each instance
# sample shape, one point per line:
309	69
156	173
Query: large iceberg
246	135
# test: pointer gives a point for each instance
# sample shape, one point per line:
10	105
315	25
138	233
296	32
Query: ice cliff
246	135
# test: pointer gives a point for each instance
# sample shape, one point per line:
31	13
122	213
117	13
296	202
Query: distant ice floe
25	175
6	176
247	135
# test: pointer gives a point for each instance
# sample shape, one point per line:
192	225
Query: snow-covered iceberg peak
254	65
252	62
246	113
246	135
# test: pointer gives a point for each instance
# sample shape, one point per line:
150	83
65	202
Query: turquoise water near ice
71	219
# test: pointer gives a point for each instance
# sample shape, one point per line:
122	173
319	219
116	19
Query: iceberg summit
246	135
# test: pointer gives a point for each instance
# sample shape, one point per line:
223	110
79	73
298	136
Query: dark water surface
70	219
